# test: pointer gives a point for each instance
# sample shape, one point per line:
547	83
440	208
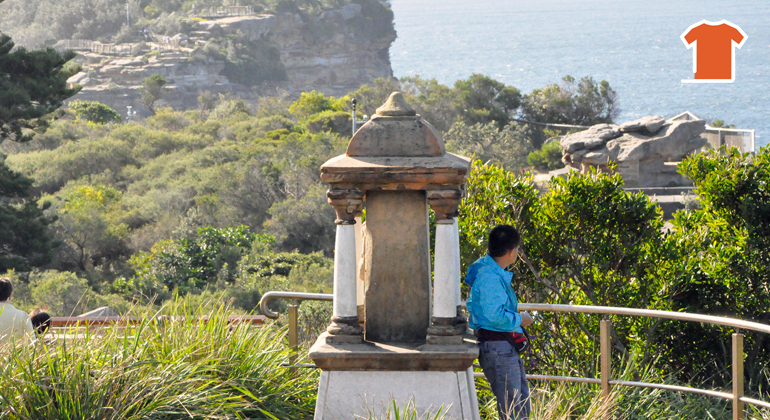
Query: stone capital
347	204
445	204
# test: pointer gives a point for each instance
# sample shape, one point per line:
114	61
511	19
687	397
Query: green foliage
547	158
579	103
312	103
152	91
93	111
211	256
720	123
181	369
253	62
338	122
375	22
507	147
25	241
43	22
91	224
725	256
481	99
34	84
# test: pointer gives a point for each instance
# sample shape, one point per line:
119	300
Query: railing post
606	356
293	316
738	379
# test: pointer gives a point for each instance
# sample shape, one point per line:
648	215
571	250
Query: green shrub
338	122
548	158
93	111
311	103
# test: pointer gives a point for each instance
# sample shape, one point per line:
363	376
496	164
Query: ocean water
635	45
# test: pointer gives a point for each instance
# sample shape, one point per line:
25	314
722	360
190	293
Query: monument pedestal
358	379
411	349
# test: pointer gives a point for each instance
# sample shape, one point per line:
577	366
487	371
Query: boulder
643	159
207	26
647	125
253	27
77	78
593	138
679	139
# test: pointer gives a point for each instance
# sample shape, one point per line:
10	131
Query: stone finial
396	106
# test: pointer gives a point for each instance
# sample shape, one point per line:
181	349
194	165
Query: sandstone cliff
331	52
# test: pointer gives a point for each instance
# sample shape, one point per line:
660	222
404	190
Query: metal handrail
605	349
267	297
653	313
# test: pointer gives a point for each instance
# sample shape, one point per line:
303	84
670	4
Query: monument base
357	394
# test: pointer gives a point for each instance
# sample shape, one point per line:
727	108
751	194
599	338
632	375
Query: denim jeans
505	372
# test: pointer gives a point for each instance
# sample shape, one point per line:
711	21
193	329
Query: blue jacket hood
492	303
485	264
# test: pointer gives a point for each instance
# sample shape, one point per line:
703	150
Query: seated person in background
13	322
40	321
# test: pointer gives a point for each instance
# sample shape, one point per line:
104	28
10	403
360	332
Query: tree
579	103
507	147
95	112
481	99
33	85
152	91
24	240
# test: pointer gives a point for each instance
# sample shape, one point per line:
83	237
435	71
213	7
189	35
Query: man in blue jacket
494	317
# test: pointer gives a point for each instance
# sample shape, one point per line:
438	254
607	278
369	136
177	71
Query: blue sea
634	45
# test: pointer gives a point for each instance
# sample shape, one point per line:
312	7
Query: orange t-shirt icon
714	52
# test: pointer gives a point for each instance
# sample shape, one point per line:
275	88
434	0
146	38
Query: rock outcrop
327	53
646	150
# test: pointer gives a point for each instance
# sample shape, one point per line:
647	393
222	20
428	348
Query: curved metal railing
605	381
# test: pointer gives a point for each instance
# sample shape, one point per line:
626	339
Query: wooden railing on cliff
224	11
114	49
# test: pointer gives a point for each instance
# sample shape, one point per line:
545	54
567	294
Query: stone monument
410	342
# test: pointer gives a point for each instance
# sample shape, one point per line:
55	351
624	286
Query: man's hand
526	319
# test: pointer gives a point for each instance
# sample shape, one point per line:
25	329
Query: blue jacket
492	302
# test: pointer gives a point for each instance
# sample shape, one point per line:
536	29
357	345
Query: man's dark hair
40	321
502	239
6	288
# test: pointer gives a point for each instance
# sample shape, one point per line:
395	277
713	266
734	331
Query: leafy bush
338	122
93	111
547	158
311	103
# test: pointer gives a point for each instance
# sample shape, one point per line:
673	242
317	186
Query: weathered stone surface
251	26
592	138
396	106
334	64
636	149
77	78
208	26
349	395
647	125
394	356
397	260
679	139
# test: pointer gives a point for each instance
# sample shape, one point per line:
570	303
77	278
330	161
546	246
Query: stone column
447	326
344	327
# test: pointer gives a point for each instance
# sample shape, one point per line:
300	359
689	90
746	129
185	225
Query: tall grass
573	401
187	368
